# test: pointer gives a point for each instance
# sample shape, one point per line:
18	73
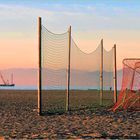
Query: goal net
129	96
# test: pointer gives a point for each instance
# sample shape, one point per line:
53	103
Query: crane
6	83
3	80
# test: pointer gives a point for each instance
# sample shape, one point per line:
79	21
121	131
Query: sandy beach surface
19	119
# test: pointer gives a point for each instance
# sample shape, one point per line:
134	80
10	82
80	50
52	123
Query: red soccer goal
129	96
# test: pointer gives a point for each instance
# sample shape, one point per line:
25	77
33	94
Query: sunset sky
116	21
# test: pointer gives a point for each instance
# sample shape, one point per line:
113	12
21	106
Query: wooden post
68	71
132	81
39	69
115	74
101	74
133	76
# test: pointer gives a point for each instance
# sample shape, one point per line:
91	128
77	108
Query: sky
116	21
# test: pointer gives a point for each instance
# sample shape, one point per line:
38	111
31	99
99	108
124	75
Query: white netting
85	77
84	73
85	68
108	86
54	68
54	59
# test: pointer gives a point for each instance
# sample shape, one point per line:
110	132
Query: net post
101	74
39	69
68	70
115	74
133	76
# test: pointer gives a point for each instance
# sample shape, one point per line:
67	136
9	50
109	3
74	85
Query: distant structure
6	82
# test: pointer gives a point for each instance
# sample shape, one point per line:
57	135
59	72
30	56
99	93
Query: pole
133	76
115	75
39	68
101	74
68	71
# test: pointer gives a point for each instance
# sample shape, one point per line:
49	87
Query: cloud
90	22
19	11
83	16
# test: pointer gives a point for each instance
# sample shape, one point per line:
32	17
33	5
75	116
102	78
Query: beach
19	119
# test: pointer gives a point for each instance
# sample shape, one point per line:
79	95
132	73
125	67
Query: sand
19	119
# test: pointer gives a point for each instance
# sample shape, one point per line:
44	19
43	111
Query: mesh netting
54	66
108	77
85	68
84	74
129	96
85	77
